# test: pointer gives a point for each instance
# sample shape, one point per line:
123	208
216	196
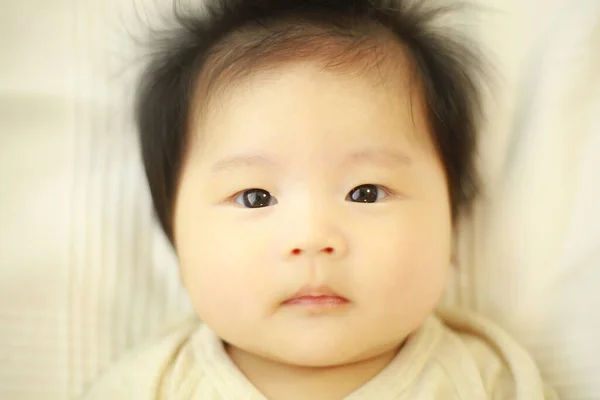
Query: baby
308	160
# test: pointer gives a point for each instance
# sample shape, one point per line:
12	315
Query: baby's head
307	159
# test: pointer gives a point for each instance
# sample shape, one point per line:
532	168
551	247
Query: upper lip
312	291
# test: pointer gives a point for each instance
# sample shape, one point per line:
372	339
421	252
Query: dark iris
256	198
364	194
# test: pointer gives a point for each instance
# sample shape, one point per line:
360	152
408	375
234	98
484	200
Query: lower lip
317	301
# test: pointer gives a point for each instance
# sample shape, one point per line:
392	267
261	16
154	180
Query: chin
319	355
314	360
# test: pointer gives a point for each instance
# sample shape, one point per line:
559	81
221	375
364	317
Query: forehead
301	105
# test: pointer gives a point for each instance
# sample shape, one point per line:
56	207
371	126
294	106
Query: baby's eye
366	194
255	198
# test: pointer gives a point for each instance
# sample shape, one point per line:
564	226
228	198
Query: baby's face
312	224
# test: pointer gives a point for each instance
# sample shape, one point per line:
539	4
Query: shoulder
505	368
140	373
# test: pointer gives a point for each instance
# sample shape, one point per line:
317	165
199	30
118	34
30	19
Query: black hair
228	39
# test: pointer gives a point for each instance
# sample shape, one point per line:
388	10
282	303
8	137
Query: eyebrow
242	161
382	157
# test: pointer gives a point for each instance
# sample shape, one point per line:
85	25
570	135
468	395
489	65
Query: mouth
321	297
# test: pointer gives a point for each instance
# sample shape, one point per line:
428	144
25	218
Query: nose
317	234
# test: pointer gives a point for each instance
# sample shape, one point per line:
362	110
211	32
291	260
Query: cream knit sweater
453	356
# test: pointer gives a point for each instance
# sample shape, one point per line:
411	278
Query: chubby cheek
222	269
415	279
409	273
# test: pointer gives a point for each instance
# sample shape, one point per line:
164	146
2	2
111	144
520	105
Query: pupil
364	194
256	198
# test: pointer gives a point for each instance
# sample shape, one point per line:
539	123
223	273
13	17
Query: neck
284	381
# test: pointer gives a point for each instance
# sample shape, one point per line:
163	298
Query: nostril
327	250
